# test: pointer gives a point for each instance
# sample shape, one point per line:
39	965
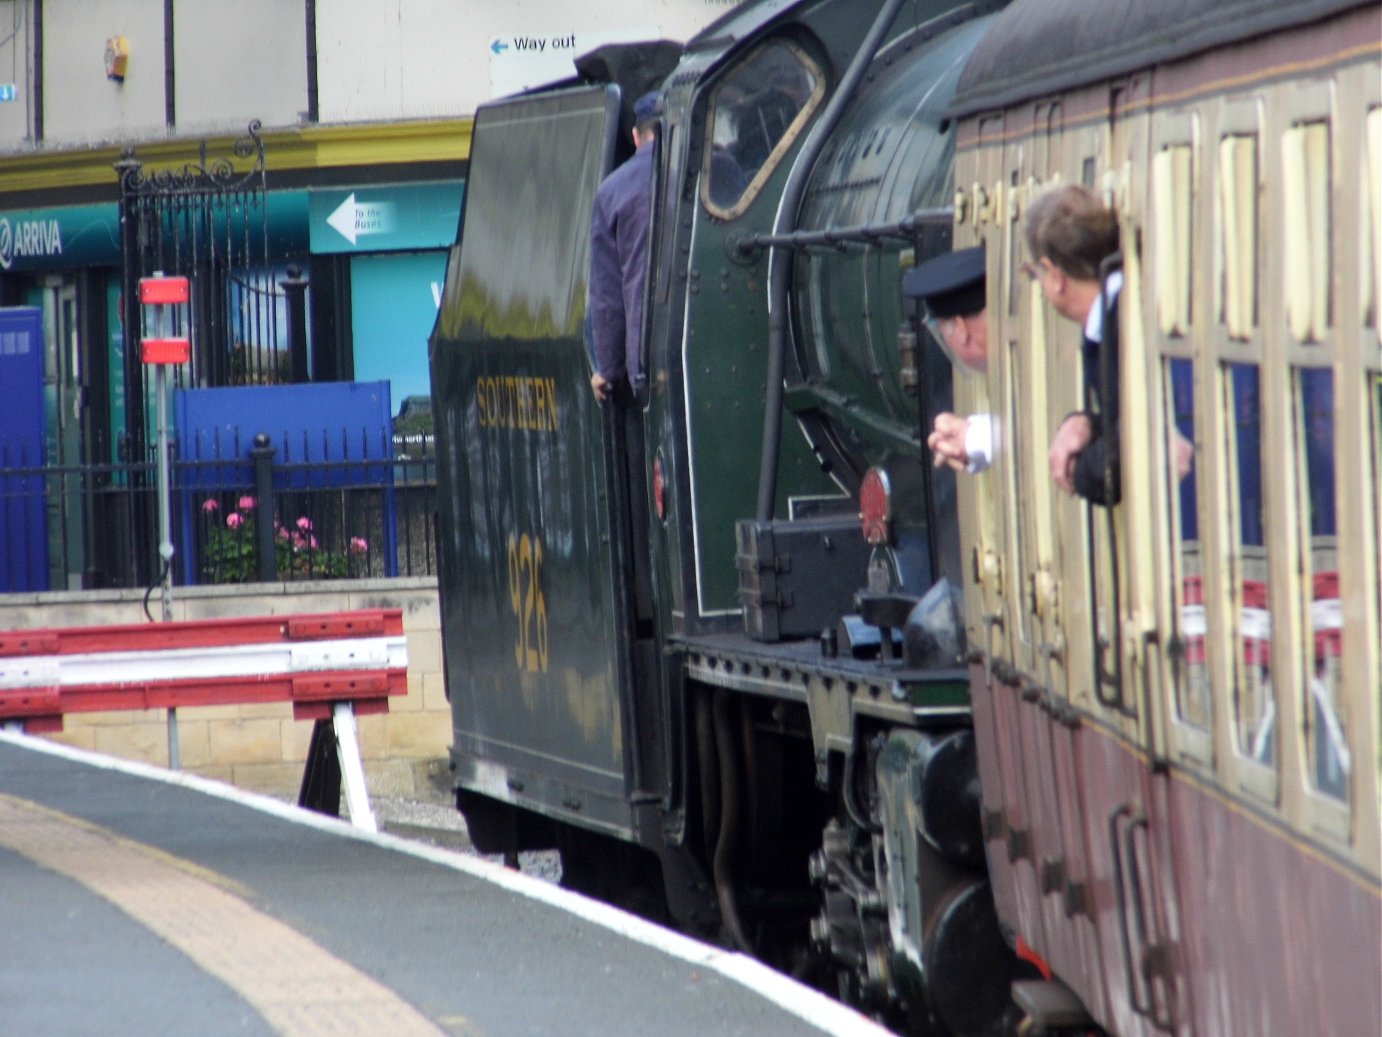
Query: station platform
137	901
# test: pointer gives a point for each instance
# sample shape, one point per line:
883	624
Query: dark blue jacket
618	266
1100	456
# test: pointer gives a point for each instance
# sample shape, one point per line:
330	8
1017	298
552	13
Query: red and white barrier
330	667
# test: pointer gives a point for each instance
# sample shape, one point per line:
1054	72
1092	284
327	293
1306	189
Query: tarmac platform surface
136	901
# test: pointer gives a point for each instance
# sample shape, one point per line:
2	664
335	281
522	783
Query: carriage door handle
1153	957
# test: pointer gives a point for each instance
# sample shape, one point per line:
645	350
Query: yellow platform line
299	988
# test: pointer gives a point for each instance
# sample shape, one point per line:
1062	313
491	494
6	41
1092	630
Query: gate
206	221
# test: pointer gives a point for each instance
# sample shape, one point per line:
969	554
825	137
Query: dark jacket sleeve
606	293
1090	468
1098	475
618	264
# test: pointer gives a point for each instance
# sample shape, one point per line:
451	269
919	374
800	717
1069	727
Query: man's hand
599	385
1074	434
947	442
1183	453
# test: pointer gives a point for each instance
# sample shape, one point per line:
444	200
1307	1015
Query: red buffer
164	291
165	350
312	661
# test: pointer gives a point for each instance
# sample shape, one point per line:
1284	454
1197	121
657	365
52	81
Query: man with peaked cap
619	259
952	287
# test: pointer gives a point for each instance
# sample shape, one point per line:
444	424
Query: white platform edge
823	1013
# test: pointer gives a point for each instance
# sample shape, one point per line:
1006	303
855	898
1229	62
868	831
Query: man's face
1056	287
965	339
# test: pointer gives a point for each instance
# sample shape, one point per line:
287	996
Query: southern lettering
517	402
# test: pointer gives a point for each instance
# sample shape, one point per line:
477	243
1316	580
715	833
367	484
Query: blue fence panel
326	435
23	518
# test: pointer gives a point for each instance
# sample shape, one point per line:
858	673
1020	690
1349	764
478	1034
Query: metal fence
65	527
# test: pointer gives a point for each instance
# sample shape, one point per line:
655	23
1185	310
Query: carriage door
1045	566
1127	803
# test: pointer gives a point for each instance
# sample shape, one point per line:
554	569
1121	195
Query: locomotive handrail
903	229
779	271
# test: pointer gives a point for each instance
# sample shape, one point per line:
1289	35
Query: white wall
240	61
80	105
458	54
16	44
248	60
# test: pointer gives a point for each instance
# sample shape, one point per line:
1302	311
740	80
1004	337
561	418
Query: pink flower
209	505
235	520
304	523
282	533
247	503
358	545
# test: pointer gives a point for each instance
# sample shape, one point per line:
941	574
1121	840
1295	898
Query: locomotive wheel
608	870
970	967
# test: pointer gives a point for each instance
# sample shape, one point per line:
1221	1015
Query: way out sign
536	56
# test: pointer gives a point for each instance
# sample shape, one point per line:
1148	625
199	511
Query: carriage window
756	113
1305	189
1326	720
1017	471
1238	203
1172	189
1373	200
1376	504
1252	684
1192	674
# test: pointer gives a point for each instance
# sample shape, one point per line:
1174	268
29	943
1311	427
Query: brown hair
1071	226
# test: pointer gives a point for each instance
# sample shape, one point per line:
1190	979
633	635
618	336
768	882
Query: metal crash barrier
331	667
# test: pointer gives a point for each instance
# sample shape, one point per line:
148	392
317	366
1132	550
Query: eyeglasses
1032	271
942	327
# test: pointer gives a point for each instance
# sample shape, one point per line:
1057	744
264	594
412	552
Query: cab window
755	115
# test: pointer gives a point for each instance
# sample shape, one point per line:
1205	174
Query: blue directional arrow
498	46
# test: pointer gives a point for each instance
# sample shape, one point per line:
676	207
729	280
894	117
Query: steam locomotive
949	746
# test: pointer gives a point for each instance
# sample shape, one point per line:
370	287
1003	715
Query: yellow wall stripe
308	147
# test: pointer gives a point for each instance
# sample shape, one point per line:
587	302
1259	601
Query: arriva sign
28	238
63	238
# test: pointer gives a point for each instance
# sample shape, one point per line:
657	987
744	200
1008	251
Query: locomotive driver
952	287
619	260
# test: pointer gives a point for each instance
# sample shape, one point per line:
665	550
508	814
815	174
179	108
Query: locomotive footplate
835	689
905	914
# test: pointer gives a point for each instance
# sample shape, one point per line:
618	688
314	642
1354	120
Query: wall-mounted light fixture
117	57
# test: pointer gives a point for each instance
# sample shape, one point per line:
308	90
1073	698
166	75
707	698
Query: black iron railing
265	517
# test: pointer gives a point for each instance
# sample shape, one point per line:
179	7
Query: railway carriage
727	674
1176	699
